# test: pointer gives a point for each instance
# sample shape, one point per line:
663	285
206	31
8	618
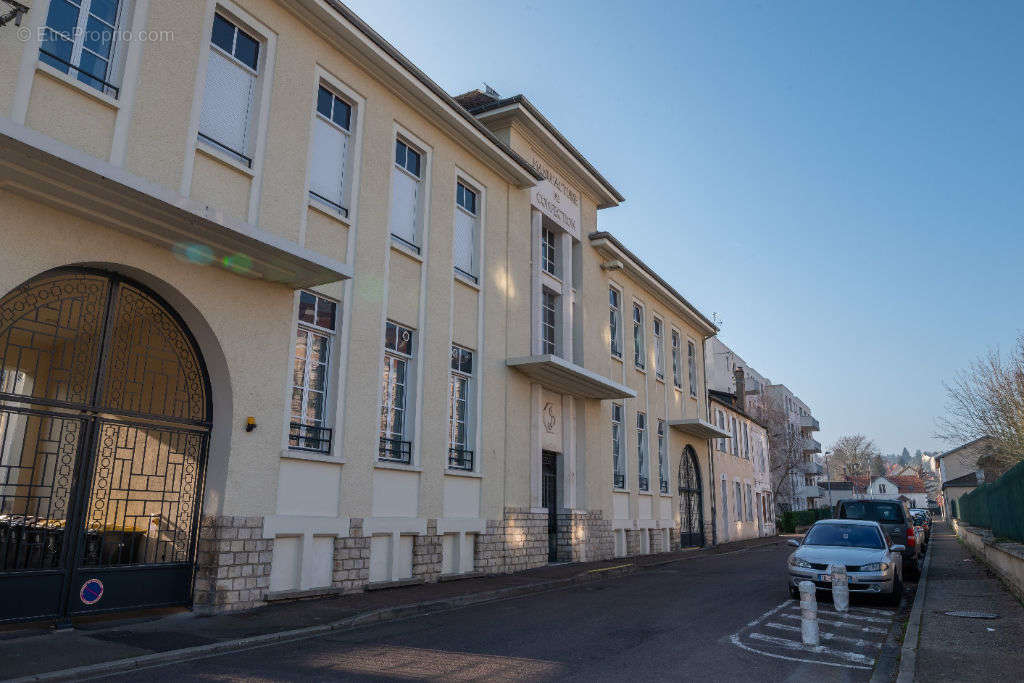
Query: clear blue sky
842	182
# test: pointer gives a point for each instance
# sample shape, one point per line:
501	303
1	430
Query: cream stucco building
280	317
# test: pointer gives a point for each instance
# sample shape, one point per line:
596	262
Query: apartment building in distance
279	318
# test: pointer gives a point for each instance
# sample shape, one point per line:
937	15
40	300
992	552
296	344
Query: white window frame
417	245
662	457
642	451
735	450
677	359
738	494
691	365
639	337
391	359
118	49
615	330
725	500
342	209
549	263
473	275
468	417
329	396
657	324
553	345
618	444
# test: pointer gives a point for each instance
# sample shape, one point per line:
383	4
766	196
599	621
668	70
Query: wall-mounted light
250	423
14	14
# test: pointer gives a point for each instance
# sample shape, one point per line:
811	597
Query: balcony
304	437
559	375
808	492
809	422
810	468
702	429
811	445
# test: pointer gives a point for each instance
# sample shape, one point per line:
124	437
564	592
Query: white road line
842	624
858	617
820	649
859	642
735	639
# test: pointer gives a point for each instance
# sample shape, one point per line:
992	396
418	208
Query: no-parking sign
92	591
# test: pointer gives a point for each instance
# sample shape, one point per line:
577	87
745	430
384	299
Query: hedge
998	506
789	520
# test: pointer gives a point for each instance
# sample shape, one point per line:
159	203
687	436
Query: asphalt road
691	620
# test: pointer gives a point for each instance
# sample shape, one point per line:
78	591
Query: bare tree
853	454
785	447
987	399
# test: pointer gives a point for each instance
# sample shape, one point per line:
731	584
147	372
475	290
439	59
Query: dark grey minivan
896	521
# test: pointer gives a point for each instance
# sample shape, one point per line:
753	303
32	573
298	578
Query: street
672	622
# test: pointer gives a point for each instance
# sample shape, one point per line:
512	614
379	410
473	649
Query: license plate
828	578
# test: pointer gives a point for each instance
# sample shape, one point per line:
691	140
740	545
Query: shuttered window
331	137
467	226
405	195
231	73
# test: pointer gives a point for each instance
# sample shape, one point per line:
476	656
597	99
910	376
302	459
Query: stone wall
516	542
584	537
352	559
426	554
674	540
632	542
233	564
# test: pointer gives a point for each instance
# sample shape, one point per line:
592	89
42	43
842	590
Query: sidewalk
959	648
123	642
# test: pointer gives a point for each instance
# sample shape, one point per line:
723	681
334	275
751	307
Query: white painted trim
197	101
78	85
461	525
281	525
536	445
29	60
129	84
374	526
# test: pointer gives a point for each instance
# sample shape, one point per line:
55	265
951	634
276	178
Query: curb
373	617
908	655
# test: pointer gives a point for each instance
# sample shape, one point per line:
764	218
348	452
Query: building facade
279	317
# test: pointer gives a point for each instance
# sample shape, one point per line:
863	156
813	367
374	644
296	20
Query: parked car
923	518
897	524
874	564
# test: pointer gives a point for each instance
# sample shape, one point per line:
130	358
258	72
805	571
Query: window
404	217
750	504
618	462
80	36
548	252
460	457
332	131
677	361
746	442
314	343
659	349
739	502
638	337
228	103
881	488
641	451
662	458
725	500
722	445
735	445
691	361
398	352
548	322
615	321
467	227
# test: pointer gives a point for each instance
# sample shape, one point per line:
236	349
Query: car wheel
897	593
913	570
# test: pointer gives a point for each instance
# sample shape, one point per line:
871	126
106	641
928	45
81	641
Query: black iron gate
104	420
691	505
549	500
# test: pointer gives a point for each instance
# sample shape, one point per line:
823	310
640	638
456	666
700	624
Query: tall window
231	73
332	131
721	425
735	438
314	343
404	216
548	252
394	424
750	504
460	456
641	451
549	321
739	502
746	442
615	321
659	349
79	36
691	361
639	353
677	361
725	500
662	458
467	227
618	461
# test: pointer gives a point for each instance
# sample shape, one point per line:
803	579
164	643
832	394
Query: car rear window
844	535
872	511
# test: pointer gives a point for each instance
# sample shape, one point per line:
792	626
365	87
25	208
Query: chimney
741	389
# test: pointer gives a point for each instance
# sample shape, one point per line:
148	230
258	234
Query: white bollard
808	613
840	587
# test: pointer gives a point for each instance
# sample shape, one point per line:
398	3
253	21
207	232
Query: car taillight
911	538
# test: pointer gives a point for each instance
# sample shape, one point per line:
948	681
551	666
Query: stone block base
584	537
352	559
233	563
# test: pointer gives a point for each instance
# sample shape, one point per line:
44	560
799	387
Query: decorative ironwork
395	450
310	437
620	481
80	490
460	459
644	482
13	15
664	486
691	509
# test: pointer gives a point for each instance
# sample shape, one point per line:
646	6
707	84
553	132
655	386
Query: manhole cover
967	614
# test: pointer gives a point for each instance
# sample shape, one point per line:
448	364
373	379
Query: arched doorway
104	426
691	505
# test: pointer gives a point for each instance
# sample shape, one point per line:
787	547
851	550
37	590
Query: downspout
711	449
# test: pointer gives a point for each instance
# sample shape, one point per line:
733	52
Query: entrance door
549	499
104	420
691	507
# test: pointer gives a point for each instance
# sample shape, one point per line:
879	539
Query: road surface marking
859	642
817	649
843	624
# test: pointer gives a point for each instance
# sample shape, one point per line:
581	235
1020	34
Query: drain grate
968	614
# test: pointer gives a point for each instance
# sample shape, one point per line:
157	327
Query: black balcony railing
460	459
645	483
226	148
334	205
310	438
395	450
664	486
84	76
620	481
